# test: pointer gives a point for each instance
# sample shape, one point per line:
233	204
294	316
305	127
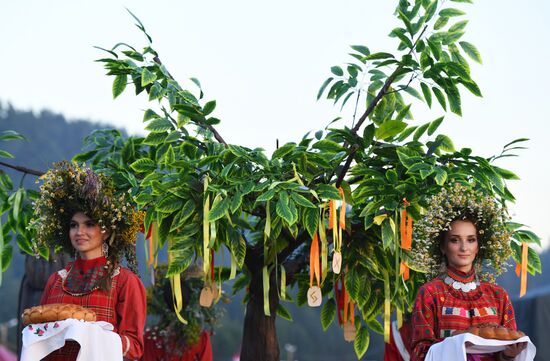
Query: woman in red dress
461	231
79	211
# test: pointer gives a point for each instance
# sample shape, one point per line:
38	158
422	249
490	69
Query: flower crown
462	202
68	188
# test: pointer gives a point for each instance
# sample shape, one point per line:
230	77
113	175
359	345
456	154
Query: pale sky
263	61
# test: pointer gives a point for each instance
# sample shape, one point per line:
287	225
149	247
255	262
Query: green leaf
5	154
336	70
450	12
169	204
283	312
284	150
427	94
389	129
311	220
454	100
283	208
266	196
368	135
328	192
327	313
219	208
361	49
378	56
327	145
119	84
440	97
446	144
147	77
323	87
463	1
434	125
10	135
471	50
459	26
143	165
387	233
159	125
183	215
7	254
441	22
209	107
412	91
420	131
375	326
302	201
236	201
440	176
361	342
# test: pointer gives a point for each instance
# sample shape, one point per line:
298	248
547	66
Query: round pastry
56	312
474	330
502	333
487	332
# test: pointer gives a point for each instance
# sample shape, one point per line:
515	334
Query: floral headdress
462	202
68	188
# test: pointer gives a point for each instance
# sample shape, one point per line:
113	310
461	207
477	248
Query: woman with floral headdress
79	212
463	232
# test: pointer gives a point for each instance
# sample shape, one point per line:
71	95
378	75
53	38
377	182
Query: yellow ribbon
387	307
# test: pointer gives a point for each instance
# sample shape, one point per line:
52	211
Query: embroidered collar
83	276
463	281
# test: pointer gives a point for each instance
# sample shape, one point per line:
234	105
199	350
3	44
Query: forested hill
49	136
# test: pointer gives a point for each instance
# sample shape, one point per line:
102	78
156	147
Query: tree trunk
259	341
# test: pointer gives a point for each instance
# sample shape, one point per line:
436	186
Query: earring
105	249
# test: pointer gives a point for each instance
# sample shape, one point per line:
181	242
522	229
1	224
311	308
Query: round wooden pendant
314	296
349	331
336	262
206	297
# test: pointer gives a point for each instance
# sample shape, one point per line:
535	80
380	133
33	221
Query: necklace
457	285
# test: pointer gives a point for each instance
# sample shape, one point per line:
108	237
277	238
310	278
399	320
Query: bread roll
56	312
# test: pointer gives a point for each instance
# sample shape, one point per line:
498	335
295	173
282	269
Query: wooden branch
22	169
217	135
371	107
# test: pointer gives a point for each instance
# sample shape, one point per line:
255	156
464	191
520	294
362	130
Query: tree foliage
204	195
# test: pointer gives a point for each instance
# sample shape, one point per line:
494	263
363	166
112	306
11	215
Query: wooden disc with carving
336	262
207	297
349	331
314	296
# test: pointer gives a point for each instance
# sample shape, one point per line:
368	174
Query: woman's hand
511	351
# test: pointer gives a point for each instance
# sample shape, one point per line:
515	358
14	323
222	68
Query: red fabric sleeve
423	324
131	310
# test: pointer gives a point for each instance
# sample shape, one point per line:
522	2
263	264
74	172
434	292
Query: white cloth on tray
41	339
454	348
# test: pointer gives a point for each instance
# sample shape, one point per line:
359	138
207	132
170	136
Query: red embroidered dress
441	309
124	306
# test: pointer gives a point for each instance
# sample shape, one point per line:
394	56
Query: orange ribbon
314	266
404	270
342	222
406	227
524	262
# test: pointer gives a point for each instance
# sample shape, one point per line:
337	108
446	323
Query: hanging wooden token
349	331
206	298
215	291
314	296
336	262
